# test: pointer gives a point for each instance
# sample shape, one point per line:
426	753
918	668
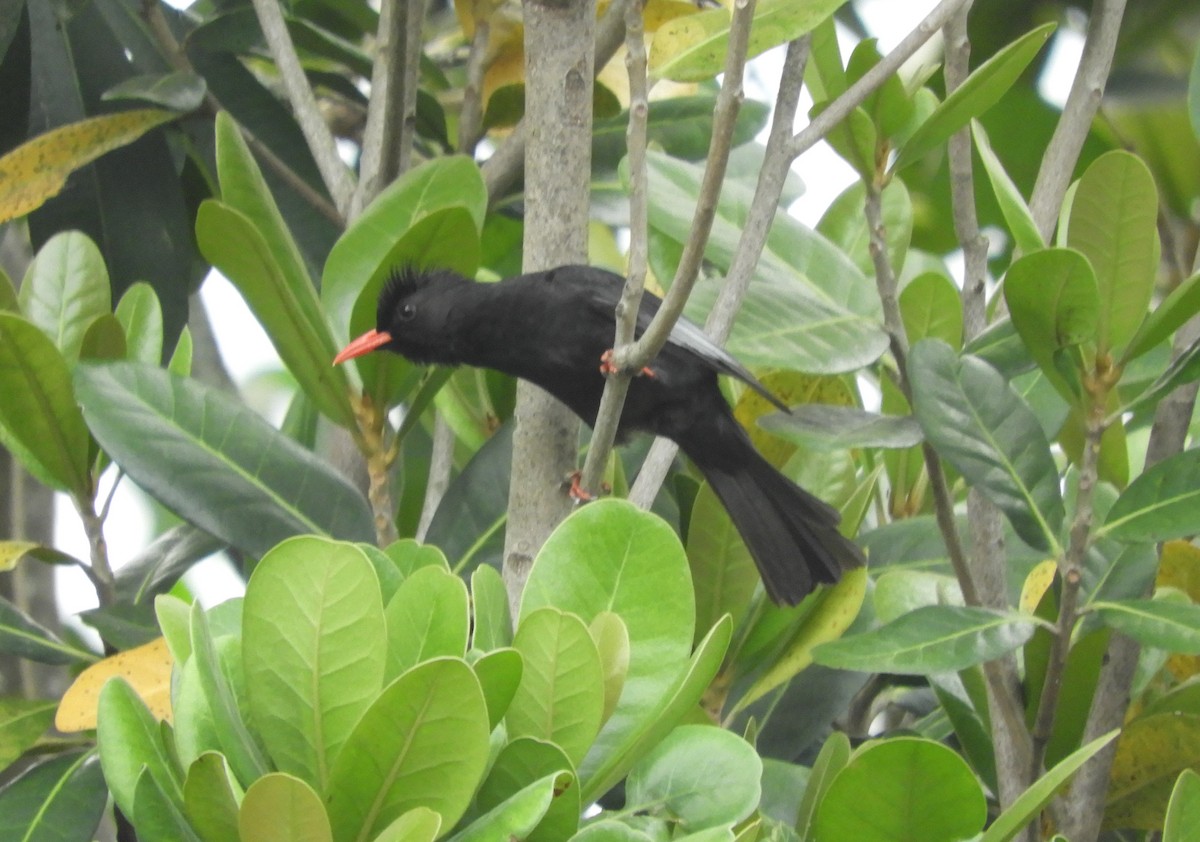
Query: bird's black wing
602	290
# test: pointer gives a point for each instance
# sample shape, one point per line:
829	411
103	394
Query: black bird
552	328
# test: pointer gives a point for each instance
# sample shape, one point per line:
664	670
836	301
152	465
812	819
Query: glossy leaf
179	91
22	722
499	673
522	762
1160	504
1178	307
140	315
62	798
422	743
39	421
215	461
977	423
1017	215
491	625
230	241
209	800
919	790
979	92
833	757
1055	305
427	618
700	775
1160	623
311	632
282	808
931	307
692	48
38	169
65	290
515	817
827	427
1183	811
936	638
23	636
156	814
561	695
131	741
722	569
1114	217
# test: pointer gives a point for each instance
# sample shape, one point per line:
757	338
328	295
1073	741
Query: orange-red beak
369	341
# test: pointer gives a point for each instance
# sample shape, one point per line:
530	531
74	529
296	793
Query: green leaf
8	294
209	800
1160	623
24	637
179	91
979	92
723	571
935	638
215	461
833	757
1160	504
845	224
282	808
229	240
1183	811
499	674
140	315
919	790
1054	303
1114	219
692	48
517	816
829	427
612	643
491	624
975	420
561	695
1030	803
422	743
104	340
156	815
65	289
419	824
428	617
450	182
931	307
808	297
131	741
700	775
311	631
1017	215
679	699
62	798
39	421
22	723
525	761
1177	308
216	684
611	556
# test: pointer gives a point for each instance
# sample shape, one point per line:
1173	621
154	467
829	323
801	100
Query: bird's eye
407	311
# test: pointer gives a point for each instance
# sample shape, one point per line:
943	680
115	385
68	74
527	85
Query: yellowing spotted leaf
1039	580
148	671
1180	568
37	170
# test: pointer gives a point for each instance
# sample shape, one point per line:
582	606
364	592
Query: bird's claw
577	492
608	366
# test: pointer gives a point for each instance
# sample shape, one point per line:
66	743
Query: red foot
577	492
607	366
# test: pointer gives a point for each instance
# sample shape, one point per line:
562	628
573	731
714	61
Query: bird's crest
402	282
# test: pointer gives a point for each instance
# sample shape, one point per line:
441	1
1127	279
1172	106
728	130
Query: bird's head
412	315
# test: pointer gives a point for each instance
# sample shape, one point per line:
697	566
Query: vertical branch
470	118
1058	164
387	138
559	65
604	432
334	172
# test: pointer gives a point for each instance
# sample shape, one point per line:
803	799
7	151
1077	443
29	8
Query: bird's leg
608	366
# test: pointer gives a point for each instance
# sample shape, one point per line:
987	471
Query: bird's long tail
791	534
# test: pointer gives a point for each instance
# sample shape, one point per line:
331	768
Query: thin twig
604	431
334	172
1062	153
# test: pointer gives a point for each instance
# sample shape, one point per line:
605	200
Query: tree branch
1062	154
334	172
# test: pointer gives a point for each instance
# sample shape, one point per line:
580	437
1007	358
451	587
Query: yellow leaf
1180	568
147	668
37	170
11	552
1152	752
1039	580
